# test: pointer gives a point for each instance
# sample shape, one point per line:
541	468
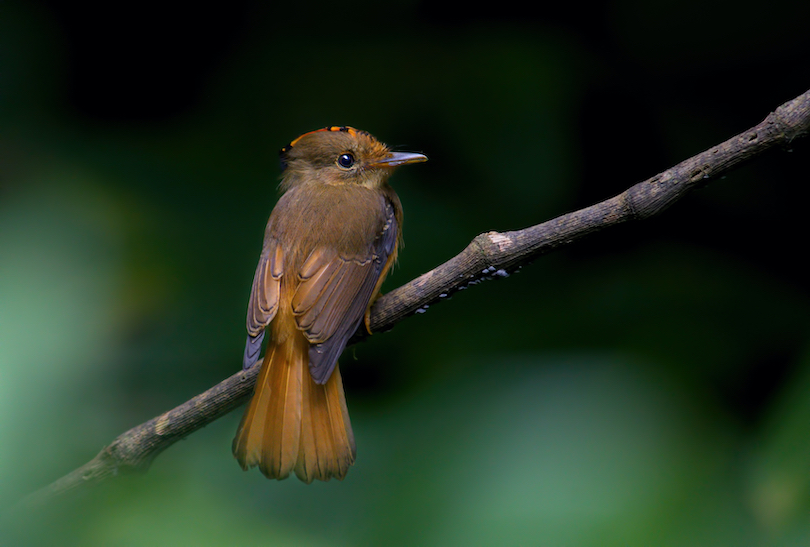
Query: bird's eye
345	160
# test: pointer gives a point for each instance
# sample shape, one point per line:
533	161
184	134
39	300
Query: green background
647	386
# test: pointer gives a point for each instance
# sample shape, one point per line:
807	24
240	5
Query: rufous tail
292	423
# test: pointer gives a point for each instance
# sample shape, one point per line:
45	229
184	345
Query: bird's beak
400	158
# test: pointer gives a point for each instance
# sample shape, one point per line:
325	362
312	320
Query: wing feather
264	299
334	292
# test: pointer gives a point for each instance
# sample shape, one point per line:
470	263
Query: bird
329	243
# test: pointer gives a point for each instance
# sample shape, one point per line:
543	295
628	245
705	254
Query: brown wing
333	294
264	298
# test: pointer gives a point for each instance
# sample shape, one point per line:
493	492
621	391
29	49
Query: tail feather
338	414
327	440
282	423
294	424
249	440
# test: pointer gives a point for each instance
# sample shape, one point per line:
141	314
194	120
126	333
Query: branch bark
489	255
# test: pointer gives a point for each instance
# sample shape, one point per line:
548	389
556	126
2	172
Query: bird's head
340	155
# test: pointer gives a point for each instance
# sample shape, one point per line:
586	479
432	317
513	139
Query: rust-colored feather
326	450
292	423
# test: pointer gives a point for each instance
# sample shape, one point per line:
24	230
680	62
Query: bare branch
489	255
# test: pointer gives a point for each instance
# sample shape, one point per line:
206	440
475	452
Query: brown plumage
327	248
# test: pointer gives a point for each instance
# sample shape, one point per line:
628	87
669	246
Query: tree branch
489	255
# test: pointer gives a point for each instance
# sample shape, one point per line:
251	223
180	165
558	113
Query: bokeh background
647	386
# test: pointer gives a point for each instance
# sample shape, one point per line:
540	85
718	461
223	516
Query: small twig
489	255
